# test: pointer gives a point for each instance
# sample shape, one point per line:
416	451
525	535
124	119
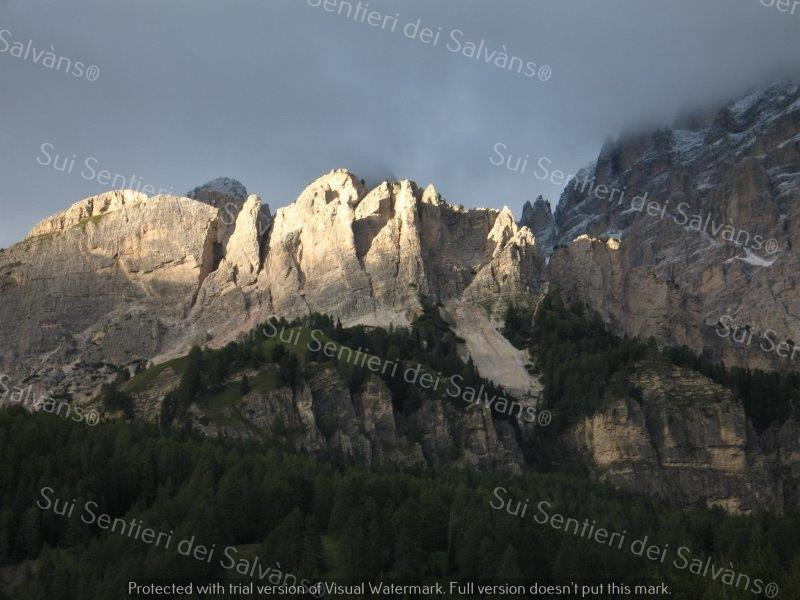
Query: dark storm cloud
276	92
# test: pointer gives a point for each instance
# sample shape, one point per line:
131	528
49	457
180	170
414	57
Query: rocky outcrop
682	438
121	277
94	208
372	256
320	415
538	217
707	222
515	271
228	196
324	415
219	192
243	250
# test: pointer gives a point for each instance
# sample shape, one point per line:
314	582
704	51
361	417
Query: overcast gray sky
277	92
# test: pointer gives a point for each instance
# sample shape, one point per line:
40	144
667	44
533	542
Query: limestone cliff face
243	249
121	278
684	439
366	257
102	282
633	301
321	415
515	271
312	259
678	272
538	217
228	196
372	256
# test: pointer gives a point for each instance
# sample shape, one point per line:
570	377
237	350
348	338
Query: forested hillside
319	519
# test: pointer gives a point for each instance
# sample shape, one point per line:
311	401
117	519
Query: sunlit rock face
122	277
104	281
375	255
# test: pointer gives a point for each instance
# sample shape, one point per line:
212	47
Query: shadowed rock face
364	426
321	415
228	196
684	438
674	277
538	217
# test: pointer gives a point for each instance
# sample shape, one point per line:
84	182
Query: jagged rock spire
538	217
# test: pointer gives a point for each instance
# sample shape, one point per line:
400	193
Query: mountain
658	238
121	278
703	239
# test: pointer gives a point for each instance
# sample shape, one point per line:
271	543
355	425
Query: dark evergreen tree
191	380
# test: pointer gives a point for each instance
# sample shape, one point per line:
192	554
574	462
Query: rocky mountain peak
228	196
204	268
219	191
539	210
504	228
708	216
243	251
120	279
339	185
760	105
538	217
431	196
